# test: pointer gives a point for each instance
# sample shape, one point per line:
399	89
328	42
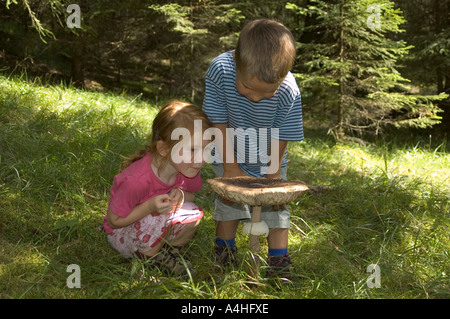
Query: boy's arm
277	150
225	148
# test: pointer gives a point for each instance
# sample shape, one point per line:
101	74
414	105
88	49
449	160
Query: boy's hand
276	176
277	151
232	171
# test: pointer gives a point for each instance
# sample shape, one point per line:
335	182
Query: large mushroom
257	192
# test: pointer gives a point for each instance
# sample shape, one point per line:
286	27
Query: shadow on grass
366	216
56	169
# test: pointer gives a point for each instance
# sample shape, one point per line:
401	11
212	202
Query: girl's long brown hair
173	115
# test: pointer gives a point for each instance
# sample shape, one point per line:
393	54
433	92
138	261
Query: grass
383	203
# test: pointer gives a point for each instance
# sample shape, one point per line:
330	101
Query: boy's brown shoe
280	267
225	256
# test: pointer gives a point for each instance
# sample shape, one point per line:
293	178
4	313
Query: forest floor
378	229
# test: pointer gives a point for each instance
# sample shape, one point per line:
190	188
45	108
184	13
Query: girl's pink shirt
138	183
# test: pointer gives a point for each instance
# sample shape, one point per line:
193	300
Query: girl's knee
194	224
185	234
152	251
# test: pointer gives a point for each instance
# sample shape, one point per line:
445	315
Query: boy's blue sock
278	252
223	242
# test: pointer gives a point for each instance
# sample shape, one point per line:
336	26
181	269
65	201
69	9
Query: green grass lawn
383	203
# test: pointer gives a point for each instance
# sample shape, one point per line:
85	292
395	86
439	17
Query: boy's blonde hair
175	114
265	49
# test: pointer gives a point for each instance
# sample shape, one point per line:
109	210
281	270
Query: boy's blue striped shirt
223	104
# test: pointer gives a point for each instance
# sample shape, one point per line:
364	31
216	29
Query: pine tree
349	67
192	30
428	29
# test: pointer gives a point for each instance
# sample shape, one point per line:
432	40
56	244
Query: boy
251	90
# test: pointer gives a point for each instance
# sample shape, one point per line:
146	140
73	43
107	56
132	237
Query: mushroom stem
254	242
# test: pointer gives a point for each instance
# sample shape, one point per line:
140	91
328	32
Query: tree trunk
77	62
340	107
441	12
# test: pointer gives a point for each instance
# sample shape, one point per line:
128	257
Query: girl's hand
176	196
160	204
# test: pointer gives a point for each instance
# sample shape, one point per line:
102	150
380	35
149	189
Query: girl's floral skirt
146	233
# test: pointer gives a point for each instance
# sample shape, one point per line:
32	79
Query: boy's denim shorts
225	212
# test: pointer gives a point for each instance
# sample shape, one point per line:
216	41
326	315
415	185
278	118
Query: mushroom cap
256	191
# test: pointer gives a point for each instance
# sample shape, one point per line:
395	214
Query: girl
150	212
